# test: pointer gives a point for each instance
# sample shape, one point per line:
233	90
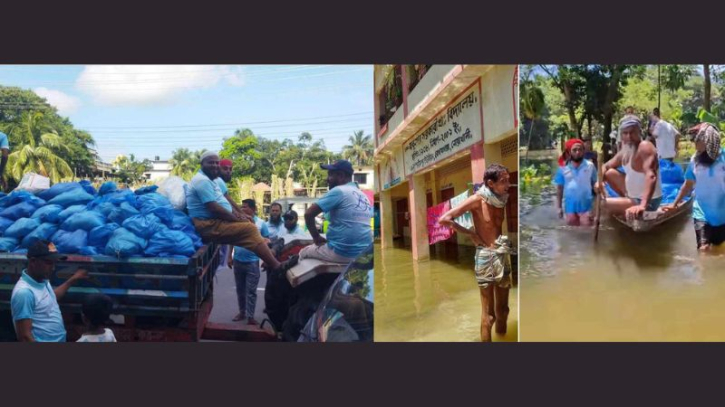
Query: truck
155	299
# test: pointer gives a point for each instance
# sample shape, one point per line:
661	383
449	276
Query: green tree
241	148
360	149
131	170
185	163
39	149
533	104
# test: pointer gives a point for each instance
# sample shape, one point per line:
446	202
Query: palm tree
533	107
184	163
360	149
129	169
39	149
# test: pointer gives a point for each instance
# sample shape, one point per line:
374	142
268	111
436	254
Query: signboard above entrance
452	130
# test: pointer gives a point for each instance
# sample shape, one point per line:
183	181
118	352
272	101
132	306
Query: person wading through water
493	271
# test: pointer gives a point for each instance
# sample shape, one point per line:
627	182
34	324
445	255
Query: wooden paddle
600	195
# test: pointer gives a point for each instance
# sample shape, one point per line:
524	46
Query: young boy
96	311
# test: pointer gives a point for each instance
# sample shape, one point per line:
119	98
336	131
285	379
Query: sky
150	110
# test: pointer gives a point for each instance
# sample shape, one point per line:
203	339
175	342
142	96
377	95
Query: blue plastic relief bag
100	235
88	187
124	243
67	212
89	251
671	173
168	242
85	220
17	211
21	228
120	196
58	189
143	226
146	190
107	187
17	197
75	197
148	202
123	212
48	213
70	242
42	232
5	223
104	209
164	213
8	244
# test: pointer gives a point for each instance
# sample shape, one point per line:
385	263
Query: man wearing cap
706	174
291	228
666	136
246	269
349	211
640	187
5	147
34	303
574	182
215	220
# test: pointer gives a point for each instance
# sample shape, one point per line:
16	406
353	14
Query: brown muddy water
651	286
431	301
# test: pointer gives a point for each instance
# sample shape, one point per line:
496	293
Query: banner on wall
451	131
438	233
465	220
391	171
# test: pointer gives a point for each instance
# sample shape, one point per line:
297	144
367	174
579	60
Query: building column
386	219
434	187
418	217
478	163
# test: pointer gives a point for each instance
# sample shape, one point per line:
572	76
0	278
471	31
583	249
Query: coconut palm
533	103
360	149
39	148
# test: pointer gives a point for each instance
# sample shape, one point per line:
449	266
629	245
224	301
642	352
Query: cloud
133	85
65	103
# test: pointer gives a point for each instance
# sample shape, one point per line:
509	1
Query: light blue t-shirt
222	185
37	302
349	211
274	229
577	183
202	190
245	256
709	203
4	143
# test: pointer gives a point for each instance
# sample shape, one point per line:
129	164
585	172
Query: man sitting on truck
349	212
34	303
215	221
225	175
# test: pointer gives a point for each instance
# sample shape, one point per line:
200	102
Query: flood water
431	301
649	286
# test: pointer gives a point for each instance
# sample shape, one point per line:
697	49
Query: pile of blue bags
80	220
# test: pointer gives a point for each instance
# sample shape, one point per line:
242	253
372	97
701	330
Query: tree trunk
659	86
608	107
573	122
706	73
528	143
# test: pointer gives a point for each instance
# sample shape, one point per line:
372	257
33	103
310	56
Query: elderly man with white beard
640	187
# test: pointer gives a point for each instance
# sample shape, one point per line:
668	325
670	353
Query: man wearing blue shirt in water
349	211
706	174
574	182
5	147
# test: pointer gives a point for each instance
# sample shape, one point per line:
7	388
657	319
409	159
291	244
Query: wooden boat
650	220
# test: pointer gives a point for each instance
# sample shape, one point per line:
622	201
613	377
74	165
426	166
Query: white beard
628	152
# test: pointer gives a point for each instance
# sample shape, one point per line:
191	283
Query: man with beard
215	220
640	187
493	271
349	210
225	175
706	174
574	181
274	224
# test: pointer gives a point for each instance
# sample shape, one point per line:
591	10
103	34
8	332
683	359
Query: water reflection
628	286
431	301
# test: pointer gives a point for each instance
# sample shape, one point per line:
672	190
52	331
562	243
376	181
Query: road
225	298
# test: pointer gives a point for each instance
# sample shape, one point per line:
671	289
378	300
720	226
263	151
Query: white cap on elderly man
208	154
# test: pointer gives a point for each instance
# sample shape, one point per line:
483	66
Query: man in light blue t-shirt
5	147
706	174
34	303
349	211
275	224
574	184
246	269
214	218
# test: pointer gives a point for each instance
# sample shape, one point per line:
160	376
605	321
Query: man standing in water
706	174
640	187
493	271
574	181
